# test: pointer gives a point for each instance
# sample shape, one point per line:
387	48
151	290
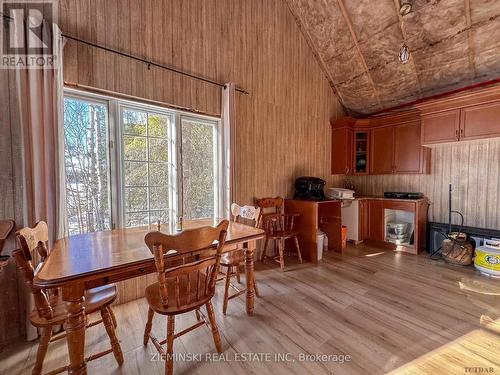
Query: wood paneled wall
282	127
474	170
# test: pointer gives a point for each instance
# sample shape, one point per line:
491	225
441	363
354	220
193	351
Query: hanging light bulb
405	7
404	54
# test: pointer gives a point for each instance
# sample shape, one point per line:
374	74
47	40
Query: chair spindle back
33	242
272	223
275	220
270	205
187	284
245	212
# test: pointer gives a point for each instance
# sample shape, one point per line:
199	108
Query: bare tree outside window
87	166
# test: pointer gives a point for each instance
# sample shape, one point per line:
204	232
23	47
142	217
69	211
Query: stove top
403	195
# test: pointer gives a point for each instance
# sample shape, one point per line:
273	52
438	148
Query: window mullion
176	184
115	163
148	183
217	168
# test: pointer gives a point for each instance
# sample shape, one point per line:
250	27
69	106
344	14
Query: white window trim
115	160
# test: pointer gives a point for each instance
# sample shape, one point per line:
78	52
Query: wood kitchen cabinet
397	141
382	150
480	121
313	216
441	127
342	154
476	122
379	210
408	151
361	152
376	230
397	149
382	145
470	115
363	219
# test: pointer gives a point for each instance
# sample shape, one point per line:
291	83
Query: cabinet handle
456	135
346	170
462	131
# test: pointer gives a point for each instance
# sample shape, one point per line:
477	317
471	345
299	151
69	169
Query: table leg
75	328
249	265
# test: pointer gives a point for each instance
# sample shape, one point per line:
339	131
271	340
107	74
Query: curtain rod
149	63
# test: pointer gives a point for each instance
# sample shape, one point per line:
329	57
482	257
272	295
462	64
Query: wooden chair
50	310
185	287
233	260
278	226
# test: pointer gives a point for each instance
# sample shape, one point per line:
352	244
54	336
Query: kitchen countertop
364	197
315	201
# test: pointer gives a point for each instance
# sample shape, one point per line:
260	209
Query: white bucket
487	259
320	237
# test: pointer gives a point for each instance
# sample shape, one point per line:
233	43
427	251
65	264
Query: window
199	168
129	164
87	165
146	142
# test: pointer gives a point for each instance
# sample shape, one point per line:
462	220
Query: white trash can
320	237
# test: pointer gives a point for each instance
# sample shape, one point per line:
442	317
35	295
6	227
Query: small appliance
309	188
403	195
340	193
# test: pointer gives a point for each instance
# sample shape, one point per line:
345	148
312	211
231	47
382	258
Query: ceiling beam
403	33
469	39
356	43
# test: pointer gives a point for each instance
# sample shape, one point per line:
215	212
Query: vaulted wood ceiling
453	44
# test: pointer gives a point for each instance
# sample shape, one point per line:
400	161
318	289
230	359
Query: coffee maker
309	188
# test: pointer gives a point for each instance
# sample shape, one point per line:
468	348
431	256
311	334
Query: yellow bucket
487	261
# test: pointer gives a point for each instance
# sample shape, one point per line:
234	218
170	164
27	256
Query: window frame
115	106
219	203
172	178
101	101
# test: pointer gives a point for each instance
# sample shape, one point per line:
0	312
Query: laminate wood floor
387	311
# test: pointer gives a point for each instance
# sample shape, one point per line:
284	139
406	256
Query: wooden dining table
89	260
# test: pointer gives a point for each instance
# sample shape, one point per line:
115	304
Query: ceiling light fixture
405	7
404	54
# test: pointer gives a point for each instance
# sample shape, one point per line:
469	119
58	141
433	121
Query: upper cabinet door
407	148
360	152
342	141
441	127
481	121
382	150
